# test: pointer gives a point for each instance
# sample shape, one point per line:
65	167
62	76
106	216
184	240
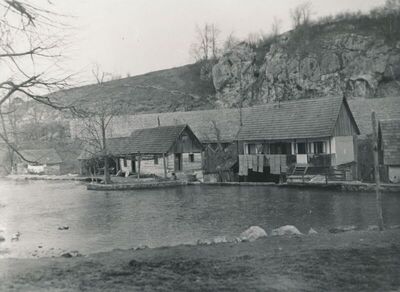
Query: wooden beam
139	161
376	169
165	165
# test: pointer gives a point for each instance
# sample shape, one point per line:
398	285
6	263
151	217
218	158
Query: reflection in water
101	221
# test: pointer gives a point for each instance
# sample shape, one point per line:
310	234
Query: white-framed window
319	147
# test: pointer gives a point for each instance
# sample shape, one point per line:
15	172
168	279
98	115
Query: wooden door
178	162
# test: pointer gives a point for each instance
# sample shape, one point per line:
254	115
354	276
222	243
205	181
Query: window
191	157
318	147
301	148
280	148
125	162
155	160
250	149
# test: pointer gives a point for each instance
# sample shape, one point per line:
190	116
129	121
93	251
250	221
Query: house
38	161
299	137
215	129
159	151
389	148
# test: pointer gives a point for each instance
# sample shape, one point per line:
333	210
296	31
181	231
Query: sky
139	36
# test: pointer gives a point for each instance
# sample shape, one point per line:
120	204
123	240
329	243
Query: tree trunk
165	165
107	179
377	177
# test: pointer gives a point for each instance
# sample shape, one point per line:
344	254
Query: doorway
178	162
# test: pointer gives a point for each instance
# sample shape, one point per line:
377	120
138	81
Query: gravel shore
351	261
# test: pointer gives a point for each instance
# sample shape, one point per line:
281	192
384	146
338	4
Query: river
101	221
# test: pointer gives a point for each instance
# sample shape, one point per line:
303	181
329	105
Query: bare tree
301	14
96	118
30	48
230	43
253	39
206	46
392	5
276	27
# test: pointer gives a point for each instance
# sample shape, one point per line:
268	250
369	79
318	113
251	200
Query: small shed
39	161
160	151
389	148
157	151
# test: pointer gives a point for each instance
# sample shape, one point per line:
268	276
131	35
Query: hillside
353	56
173	89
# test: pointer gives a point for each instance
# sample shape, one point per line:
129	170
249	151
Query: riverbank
66	177
352	261
132	183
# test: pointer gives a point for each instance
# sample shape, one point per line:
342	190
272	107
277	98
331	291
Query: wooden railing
320	160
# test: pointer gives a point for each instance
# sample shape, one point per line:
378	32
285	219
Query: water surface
102	221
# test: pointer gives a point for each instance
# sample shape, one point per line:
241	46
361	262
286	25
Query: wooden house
215	129
297	138
38	161
160	151
389	148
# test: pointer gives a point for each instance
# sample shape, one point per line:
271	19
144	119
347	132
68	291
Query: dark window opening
280	148
125	162
301	148
318	147
251	149
155	160
191	157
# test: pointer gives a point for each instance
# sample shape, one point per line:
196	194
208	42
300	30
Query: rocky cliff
328	61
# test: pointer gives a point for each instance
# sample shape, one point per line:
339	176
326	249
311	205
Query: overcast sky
139	36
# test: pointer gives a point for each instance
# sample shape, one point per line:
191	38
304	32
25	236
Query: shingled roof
310	118
389	132
227	121
151	141
207	125
42	156
386	108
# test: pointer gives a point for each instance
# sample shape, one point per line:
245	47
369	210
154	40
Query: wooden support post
117	168
139	161
165	165
376	169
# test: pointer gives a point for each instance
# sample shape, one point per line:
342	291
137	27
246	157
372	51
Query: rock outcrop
233	74
334	62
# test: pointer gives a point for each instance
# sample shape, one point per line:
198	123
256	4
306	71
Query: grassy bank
353	261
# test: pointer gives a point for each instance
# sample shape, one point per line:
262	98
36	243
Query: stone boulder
253	233
312	231
286	230
340	229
